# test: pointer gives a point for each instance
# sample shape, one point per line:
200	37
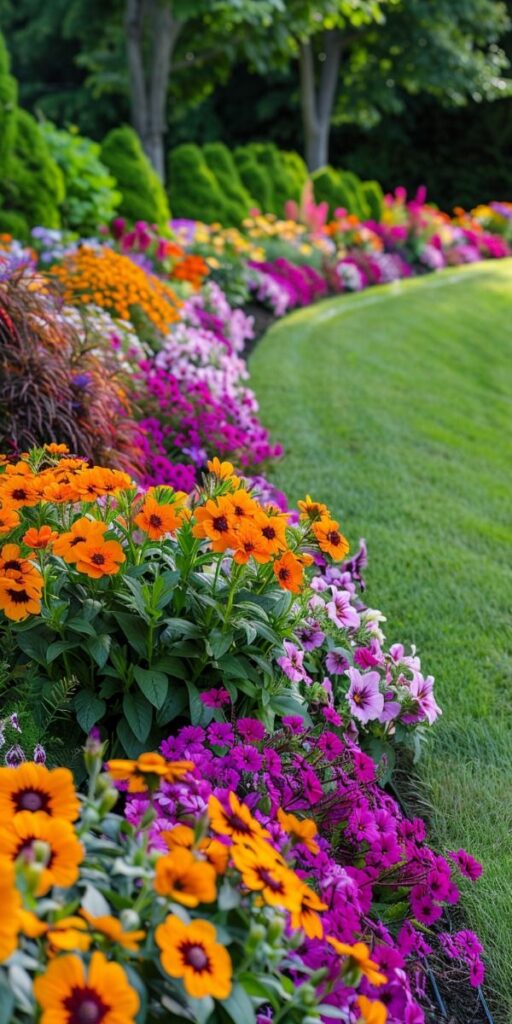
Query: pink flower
365	700
215	698
291	663
422	691
340	611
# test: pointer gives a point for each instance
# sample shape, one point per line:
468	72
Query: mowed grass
395	407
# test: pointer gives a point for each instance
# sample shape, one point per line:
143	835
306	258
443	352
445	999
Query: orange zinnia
156	520
330	539
97	558
191	952
289	572
183	878
359	956
145	769
39	538
214	521
300	830
65	853
34	787
10	902
236	822
68	993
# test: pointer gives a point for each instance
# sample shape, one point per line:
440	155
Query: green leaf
35	643
175	703
173	667
203	1008
219	643
89	709
138	714
198	712
80	626
6	1004
175	628
283	705
233	665
239	1006
99	648
134	629
154	685
59	647
129	742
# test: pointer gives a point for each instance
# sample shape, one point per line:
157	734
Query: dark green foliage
374	198
328	188
14	224
91	197
143	195
254	178
282	180
343	189
8	102
220	162
297	169
33	185
193	189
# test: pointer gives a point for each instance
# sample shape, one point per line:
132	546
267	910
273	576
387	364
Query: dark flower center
268	532
18	596
195	956
98	558
269	881
284	574
239	825
155	520
85	1006
19	494
31	800
220	524
333	537
13	563
249	546
76	540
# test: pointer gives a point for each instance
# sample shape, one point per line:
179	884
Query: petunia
365	700
291	663
340	610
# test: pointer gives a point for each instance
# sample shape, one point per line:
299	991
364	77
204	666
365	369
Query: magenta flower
251	729
336	662
340	611
215	698
330	745
294	723
331	716
467	865
422	691
220	734
291	663
365	700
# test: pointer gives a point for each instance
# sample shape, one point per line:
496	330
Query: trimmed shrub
254	178
295	167
91	197
142	192
193	189
220	161
374	197
33	186
8	103
328	188
282	181
14	224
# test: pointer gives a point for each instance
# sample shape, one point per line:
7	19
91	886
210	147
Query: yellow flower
68	993
191	952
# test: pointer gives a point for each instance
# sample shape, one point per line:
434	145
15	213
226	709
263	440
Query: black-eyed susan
300	830
185	879
307	917
39	538
33	787
191	952
146	770
262	870
82	530
18	491
214	521
65	853
235	820
359	957
70	993
111	929
13	565
289	572
156	519
98	557
18	600
273	531
9	519
330	539
250	543
10	902
312	510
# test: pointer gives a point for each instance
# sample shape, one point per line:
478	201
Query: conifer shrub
374	198
33	186
193	188
255	179
142	192
220	162
8	104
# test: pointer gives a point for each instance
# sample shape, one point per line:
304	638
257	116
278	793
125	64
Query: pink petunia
365	700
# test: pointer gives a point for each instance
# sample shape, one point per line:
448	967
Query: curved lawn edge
388	402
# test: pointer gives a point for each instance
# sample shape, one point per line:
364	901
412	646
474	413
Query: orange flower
223	470
112	929
273	531
19	600
241	507
330	539
214	852
214	521
236	822
146	768
250	544
67	993
300	830
40	538
9	519
69	934
263	870
156	520
82	531
289	572
10	902
307	917
97	482
359	956
65	853
57	449
13	566
190	952
183	878
34	787
312	510
18	491
98	558
372	1010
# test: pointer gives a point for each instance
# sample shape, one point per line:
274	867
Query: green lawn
395	406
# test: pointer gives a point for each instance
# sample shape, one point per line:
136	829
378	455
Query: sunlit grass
396	406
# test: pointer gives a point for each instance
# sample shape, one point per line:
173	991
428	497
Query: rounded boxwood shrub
282	181
222	165
8	105
297	170
374	197
91	197
33	185
14	224
142	193
254	178
193	189
328	188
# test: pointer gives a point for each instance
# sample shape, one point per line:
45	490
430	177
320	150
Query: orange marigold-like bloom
82	530
156	520
39	538
273	531
98	558
307	917
250	544
65	852
330	539
10	902
301	830
182	836
312	510
185	879
34	787
242	507
70	993
18	600
214	520
359	955
111	928
263	871
372	1010
97	482
18	491
147	767
9	519
191	952
57	449
223	470
237	821
289	572
14	566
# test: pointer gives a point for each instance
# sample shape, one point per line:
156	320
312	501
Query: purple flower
15	756
368	657
337	662
310	635
330	745
294	723
291	663
220	734
39	754
251	729
467	865
215	698
14	722
340	611
365	700
246	759
331	716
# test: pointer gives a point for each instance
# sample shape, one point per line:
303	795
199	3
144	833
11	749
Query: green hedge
142	192
374	197
237	200
193	188
33	187
8	105
91	196
345	189
254	178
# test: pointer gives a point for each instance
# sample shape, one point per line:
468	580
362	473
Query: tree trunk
148	86
317	104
